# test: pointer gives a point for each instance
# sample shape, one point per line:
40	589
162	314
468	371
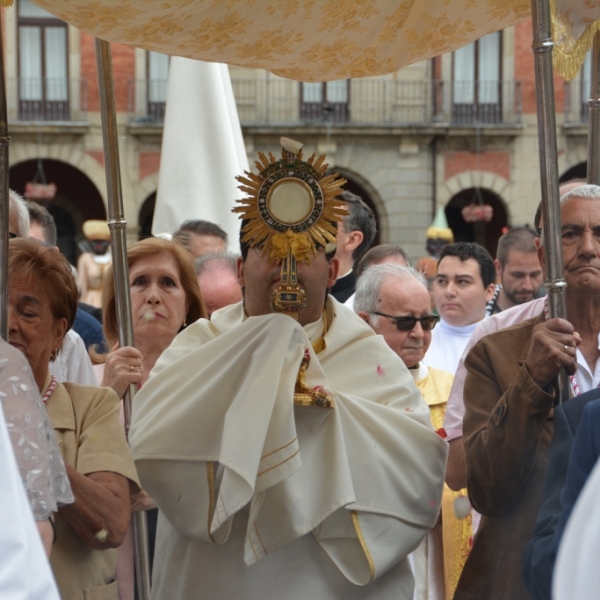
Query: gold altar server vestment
260	498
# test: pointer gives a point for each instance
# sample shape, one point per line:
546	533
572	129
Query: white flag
202	150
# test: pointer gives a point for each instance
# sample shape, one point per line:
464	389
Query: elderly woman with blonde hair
165	298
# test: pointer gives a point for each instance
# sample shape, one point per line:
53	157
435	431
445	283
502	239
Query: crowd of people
402	437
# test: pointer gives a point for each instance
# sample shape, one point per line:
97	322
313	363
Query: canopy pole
593	164
117	226
4	201
555	282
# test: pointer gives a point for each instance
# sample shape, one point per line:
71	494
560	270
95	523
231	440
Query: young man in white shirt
463	285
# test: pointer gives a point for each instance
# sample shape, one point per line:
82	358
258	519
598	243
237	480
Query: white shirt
73	362
350	302
447	345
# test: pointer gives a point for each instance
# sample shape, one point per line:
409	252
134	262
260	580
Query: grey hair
18	203
216	262
368	288
588	191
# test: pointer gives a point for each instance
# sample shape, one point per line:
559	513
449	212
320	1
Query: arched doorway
77	200
576	172
485	234
145	217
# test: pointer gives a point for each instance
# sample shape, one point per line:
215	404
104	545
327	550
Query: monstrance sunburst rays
291	204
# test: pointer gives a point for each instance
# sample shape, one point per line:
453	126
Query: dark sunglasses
428	322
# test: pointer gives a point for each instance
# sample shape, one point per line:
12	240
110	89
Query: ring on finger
132	368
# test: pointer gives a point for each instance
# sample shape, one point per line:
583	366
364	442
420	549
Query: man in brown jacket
509	395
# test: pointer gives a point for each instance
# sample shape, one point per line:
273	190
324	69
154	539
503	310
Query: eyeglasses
428	322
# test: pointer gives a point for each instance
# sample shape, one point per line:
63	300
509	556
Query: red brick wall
97	155
149	163
494	162
123	62
524	70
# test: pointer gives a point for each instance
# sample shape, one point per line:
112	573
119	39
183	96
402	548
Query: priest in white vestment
263	494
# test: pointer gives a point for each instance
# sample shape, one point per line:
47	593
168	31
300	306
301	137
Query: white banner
202	150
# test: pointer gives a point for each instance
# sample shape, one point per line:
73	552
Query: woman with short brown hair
42	298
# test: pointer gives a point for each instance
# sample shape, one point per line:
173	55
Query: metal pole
593	165
555	282
117	226
4	202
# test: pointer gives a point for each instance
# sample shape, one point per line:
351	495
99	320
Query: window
476	81
43	75
157	79
328	102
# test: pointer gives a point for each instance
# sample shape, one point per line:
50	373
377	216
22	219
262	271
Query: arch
145	217
485	234
361	187
76	201
471	179
70	154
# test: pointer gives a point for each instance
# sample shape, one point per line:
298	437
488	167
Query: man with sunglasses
394	301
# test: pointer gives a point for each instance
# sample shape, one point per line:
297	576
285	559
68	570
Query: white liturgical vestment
259	498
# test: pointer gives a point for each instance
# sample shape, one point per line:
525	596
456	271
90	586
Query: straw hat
96	230
439	228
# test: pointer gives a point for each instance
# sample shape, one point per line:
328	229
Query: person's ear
354	240
240	270
60	330
364	316
498	267
489	291
334	268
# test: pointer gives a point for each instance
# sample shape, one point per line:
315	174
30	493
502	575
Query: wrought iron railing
47	99
273	101
146	100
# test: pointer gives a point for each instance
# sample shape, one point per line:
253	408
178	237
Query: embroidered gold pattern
363	543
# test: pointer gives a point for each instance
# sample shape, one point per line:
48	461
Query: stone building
452	131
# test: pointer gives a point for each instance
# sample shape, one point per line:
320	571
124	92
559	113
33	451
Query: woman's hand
142	502
123	366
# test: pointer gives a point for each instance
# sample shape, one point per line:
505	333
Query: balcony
276	102
48	100
486	102
146	100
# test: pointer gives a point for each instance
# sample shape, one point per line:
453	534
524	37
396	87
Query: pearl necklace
51	388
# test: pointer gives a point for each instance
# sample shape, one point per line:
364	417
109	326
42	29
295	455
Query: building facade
453	131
